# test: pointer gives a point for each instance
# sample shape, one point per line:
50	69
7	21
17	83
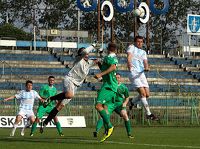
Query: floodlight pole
78	26
189	52
112	27
98	21
7	17
34	37
135	21
102	33
34	25
147	32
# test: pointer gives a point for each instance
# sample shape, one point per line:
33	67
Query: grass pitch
82	138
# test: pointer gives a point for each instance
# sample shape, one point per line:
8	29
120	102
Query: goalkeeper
72	81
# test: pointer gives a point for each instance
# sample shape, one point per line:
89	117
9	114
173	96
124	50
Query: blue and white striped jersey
27	99
138	56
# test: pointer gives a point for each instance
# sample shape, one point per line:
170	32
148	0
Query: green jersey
109	80
122	92
47	91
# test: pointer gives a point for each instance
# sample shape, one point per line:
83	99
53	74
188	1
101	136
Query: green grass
76	138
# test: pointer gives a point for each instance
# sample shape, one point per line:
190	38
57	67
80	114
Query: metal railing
5	66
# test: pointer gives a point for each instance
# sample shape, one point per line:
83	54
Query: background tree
173	24
8	30
62	14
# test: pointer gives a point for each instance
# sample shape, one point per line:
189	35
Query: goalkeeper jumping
72	81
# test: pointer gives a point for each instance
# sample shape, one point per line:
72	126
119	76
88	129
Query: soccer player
72	81
137	63
45	92
119	106
27	98
108	90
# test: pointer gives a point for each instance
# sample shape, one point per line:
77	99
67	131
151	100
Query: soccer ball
139	12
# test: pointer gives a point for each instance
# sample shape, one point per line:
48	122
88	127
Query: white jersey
137	76
79	71
139	56
81	68
27	99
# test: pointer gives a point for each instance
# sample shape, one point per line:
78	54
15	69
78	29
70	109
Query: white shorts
65	101
26	113
68	86
138	80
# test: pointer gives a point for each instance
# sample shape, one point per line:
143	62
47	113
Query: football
139	12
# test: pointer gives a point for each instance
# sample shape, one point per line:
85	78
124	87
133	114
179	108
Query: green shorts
110	106
117	107
41	111
105	95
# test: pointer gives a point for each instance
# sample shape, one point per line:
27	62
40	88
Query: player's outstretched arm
9	98
88	50
84	53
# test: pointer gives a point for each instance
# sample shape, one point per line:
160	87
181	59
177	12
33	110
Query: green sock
128	127
58	126
34	126
106	118
106	126
99	124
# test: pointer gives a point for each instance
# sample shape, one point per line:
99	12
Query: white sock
146	105
13	130
15	125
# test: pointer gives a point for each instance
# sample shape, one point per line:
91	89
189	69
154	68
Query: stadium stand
168	81
37	65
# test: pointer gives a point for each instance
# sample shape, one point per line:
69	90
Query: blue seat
35	71
27	57
172	102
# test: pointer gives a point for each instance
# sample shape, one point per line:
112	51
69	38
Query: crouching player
119	106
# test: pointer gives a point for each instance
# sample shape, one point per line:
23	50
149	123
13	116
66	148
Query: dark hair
118	74
138	37
80	51
28	81
51	77
112	47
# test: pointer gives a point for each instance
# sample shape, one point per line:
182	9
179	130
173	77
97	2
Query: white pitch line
141	144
